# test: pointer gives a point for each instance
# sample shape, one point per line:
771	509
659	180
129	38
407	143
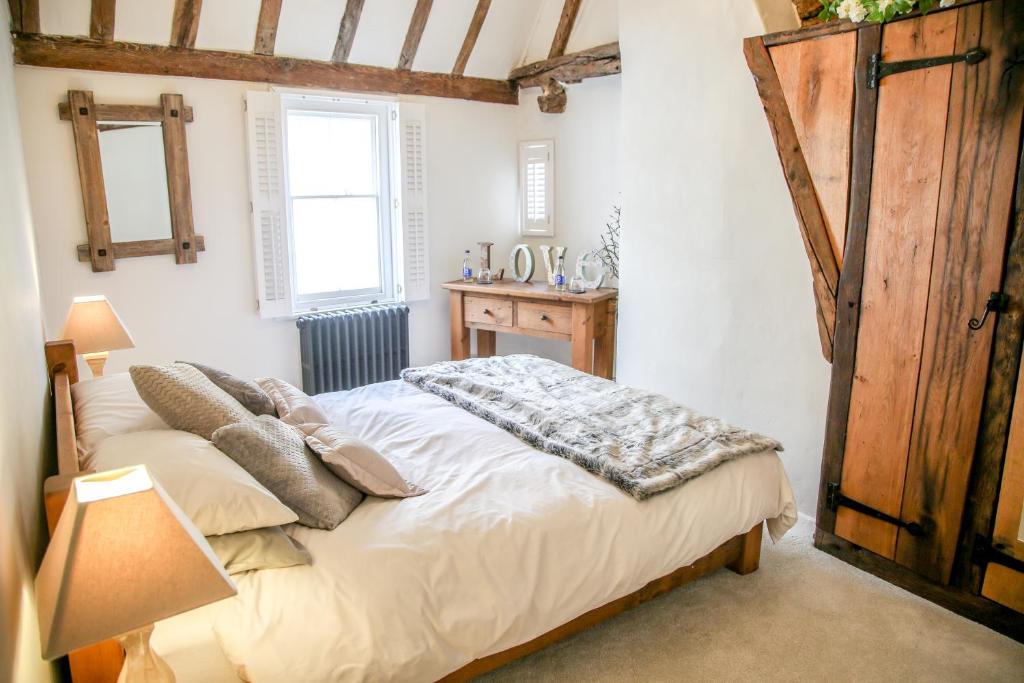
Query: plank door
817	81
1002	584
945	155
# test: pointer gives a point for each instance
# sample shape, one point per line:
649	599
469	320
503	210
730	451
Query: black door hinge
985	552
877	69
837	498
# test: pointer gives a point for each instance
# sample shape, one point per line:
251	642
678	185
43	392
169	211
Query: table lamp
96	330
123	556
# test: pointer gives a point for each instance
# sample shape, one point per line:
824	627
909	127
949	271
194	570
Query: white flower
946	3
883	5
852	10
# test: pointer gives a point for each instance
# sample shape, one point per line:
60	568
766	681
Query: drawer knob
543	316
487	311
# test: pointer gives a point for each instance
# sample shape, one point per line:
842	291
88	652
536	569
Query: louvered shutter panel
266	190
536	183
413	174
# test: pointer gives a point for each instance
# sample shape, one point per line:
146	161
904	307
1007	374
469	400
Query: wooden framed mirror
133	168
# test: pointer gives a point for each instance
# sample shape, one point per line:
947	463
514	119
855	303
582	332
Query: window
536	188
338	194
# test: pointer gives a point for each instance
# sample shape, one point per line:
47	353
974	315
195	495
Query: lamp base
96	361
141	664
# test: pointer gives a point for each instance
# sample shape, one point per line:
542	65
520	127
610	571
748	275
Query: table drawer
487	311
545	317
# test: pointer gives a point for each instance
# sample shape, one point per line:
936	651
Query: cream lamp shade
123	555
96	329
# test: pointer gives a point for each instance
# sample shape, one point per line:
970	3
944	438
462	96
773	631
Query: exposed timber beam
347	30
24	16
415	32
185	24
472	33
569	11
101	21
266	27
64	52
603	60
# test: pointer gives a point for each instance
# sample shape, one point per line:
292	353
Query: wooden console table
586	320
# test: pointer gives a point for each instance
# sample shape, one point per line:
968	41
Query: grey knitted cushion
255	400
277	457
185	399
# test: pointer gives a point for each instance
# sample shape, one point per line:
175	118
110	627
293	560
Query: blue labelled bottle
560	275
467	270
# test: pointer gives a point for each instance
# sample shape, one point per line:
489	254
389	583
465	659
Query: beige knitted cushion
185	399
276	455
252	398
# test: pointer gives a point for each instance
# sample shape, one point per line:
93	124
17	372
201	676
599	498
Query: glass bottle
560	275
467	270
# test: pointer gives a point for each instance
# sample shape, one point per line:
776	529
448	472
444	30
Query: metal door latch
997	303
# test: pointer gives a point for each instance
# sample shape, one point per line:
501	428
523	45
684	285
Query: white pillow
105	407
217	494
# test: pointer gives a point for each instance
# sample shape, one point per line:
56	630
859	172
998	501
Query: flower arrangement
875	10
609	251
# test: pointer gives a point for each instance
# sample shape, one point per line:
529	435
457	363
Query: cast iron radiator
347	349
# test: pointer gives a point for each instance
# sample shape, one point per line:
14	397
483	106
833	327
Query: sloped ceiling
515	31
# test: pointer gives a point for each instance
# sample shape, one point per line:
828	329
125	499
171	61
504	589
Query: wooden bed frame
102	663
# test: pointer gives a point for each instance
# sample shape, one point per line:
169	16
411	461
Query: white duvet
508	544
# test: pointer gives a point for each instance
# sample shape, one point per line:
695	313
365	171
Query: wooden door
945	154
1003	584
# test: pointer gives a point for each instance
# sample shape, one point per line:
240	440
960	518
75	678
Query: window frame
529	228
384	114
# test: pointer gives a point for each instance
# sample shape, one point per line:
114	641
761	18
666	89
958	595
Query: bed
512	549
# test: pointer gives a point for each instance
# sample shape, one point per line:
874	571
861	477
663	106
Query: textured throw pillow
254	399
247	551
359	463
185	398
276	455
293	406
217	495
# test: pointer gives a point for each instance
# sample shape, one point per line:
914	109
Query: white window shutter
266	189
536	188
413	177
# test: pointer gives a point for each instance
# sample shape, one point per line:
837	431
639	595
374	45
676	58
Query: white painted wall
25	448
207	311
716	308
588	182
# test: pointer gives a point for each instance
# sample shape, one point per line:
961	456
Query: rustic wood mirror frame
172	114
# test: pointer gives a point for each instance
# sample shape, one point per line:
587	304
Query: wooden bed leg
750	552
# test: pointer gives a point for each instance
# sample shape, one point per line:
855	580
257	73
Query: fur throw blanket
641	442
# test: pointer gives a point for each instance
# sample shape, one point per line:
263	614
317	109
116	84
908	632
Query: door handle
997	303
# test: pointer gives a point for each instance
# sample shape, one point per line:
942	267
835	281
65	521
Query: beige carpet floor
803	616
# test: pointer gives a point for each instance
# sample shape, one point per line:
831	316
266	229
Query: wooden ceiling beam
415	32
472	33
603	60
185	24
24	16
569	11
347	30
63	52
101	20
266	27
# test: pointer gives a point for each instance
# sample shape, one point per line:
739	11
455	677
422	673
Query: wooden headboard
100	663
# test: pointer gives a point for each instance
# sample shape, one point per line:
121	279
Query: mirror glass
135	177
